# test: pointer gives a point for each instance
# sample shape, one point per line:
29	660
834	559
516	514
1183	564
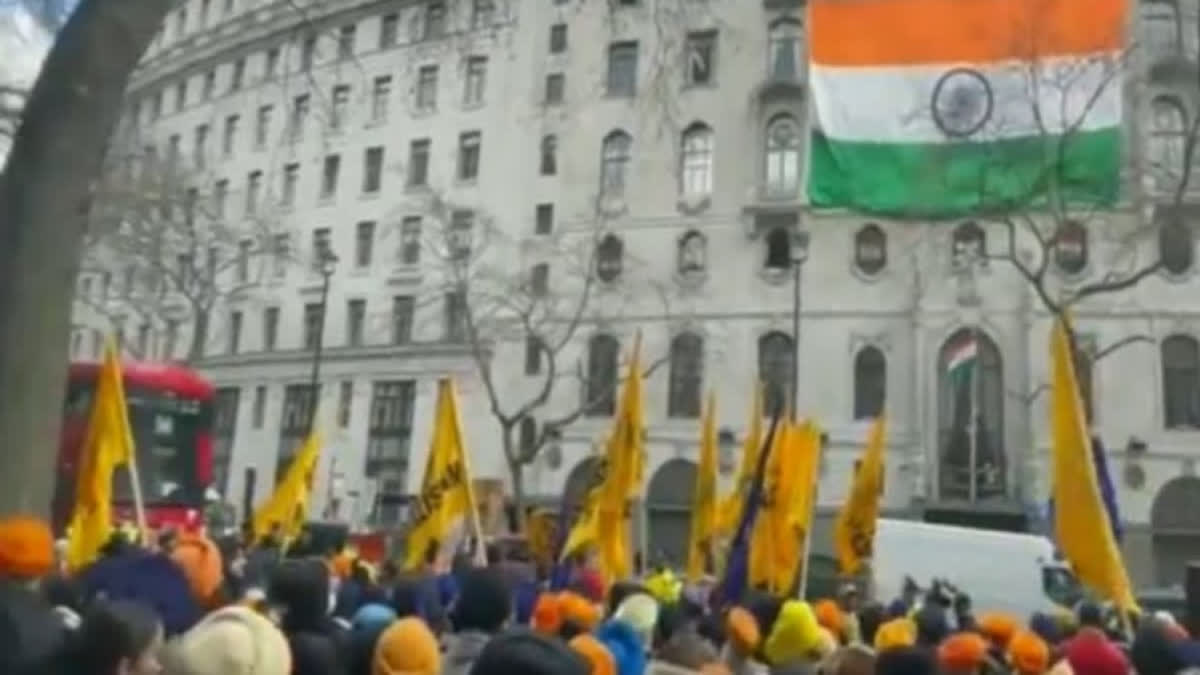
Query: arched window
870	382
1176	246
610	258
970	376
776	359
687	375
549	163
783	157
1181	382
779	249
870	249
693	253
696	164
969	244
1168	140
601	386
1071	247
615	159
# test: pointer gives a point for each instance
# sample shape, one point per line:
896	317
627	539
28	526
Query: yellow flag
730	511
287	507
763	545
777	544
624	468
447	500
704	500
107	444
583	531
1080	520
806	444
854	531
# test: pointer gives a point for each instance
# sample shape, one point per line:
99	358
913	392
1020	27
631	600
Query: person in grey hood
481	610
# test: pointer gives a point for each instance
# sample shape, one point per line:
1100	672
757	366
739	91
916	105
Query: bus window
1061	586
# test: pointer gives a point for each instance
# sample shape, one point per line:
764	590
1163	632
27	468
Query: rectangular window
322	247
475	82
291	179
427	80
341	104
549	162
389	28
373	169
181	96
539	279
200	149
622	69
389	431
224	431
330	170
259	413
558	38
404	308
556	85
356	317
299	407
345	403
418	162
364	243
253	188
173	150
533	355
220	198
242	268
701	55
410	240
469	149
785	53
271	64
381	93
435	20
229	139
544	219
143	340
270	328
300	106
346	35
312	324
170	340
262	126
455	318
235	331
462	222
308	52
238	77
281	253
483	13
210	85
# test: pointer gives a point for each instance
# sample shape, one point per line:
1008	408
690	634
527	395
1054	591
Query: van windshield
1061	586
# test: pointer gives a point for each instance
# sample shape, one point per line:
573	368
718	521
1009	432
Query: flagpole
139	504
973	422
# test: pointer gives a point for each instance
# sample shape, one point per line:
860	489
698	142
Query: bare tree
495	302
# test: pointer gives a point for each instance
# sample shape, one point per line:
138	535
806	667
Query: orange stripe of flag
919	32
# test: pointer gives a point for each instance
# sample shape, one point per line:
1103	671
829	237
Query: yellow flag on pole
854	531
777	543
1081	525
730	510
287	507
704	500
108	443
447	501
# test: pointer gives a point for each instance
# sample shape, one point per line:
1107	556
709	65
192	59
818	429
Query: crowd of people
190	606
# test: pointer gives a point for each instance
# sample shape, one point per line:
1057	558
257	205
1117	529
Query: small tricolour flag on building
939	108
960	359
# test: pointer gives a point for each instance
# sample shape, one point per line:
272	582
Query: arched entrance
668	508
1175	524
579	482
970	378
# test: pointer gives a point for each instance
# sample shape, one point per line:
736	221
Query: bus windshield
1061	586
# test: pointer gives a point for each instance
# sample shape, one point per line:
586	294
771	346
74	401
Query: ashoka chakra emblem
962	102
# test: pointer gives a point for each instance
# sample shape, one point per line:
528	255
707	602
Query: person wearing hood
117	638
626	644
299	588
231	641
32	635
483	607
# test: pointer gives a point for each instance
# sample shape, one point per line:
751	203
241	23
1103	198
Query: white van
1003	571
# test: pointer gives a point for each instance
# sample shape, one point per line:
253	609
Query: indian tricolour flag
960	359
940	108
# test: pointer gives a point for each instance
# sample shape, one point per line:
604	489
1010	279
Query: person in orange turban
200	561
1028	654
999	628
830	617
577	614
547	618
962	653
26	548
595	653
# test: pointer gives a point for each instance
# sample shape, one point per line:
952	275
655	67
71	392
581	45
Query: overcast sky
23	45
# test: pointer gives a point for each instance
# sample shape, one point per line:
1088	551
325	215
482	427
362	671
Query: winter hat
234	641
407	647
829	615
372	618
578	612
742	632
640	612
1090	653
525	652
905	661
595	653
150	579
962	652
932	626
896	634
26	548
314	654
1046	627
547	619
621	590
200	561
628	650
796	634
1028	653
998	627
484	602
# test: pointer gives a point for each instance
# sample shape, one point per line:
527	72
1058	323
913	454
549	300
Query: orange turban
595	653
829	616
574	608
1028	653
26	548
200	561
547	617
897	633
741	629
999	628
342	564
962	652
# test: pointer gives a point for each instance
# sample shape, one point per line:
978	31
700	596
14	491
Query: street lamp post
799	254
327	264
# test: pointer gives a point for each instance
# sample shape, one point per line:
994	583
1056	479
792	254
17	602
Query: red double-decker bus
171	413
